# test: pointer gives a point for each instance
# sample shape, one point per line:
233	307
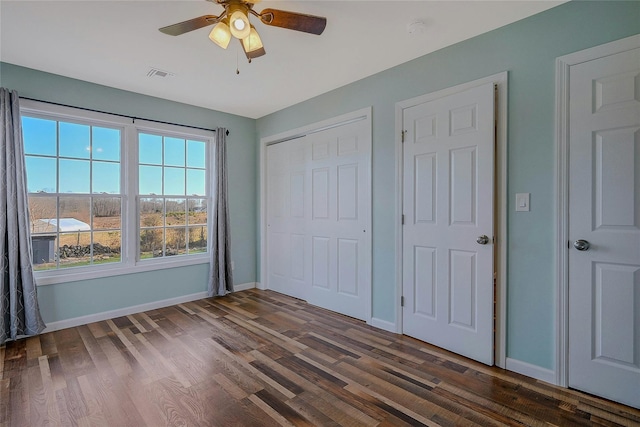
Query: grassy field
107	233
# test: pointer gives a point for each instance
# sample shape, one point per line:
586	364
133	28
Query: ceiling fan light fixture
239	23
234	22
220	35
252	42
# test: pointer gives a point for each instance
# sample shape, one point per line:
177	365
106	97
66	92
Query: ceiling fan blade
294	21
190	25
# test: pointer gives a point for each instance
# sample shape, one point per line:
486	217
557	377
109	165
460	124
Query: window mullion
130	226
57	241
91	226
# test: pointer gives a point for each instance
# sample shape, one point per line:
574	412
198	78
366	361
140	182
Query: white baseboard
244	286
533	371
384	325
260	286
125	311
97	317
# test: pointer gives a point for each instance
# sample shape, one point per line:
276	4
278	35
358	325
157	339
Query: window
172	203
110	197
75	202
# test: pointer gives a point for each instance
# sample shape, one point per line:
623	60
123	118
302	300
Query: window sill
44	278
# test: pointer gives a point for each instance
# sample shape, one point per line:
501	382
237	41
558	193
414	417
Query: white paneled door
319	218
286	226
448	204
604	227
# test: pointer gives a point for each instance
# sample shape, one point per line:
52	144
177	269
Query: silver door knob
482	240
581	245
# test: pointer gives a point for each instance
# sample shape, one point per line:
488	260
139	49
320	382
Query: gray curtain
221	276
18	294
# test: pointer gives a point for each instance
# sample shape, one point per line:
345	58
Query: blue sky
92	150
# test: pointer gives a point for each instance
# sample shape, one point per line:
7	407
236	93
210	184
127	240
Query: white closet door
340	219
319	218
286	183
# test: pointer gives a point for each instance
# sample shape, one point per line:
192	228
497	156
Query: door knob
482	240
581	245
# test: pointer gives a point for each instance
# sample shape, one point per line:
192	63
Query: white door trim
500	215
563	65
362	114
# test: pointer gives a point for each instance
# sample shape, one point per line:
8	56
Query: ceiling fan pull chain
237	63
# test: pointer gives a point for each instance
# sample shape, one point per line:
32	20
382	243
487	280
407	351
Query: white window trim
130	228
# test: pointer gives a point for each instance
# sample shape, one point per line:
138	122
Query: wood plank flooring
258	358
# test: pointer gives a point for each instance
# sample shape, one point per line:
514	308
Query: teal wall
527	50
85	297
74	299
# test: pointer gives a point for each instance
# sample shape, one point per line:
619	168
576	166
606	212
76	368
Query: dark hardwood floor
258	358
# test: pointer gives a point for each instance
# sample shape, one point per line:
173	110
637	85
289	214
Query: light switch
522	202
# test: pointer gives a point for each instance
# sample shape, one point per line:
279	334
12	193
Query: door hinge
402	133
402	301
402	219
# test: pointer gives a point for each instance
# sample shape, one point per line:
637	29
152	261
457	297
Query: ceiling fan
234	21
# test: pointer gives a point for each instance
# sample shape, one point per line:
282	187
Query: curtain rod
133	118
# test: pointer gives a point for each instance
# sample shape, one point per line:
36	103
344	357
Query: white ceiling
115	43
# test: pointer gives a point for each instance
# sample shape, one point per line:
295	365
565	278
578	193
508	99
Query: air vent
154	72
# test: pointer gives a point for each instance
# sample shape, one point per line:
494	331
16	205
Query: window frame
170	132
130	222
